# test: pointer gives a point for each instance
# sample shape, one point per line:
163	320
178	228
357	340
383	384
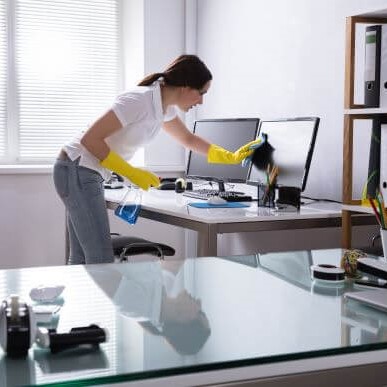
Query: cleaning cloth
262	155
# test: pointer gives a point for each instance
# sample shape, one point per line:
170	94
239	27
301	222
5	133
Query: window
59	69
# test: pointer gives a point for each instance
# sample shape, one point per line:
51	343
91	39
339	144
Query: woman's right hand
143	178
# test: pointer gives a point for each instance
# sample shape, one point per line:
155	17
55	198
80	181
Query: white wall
282	58
285	59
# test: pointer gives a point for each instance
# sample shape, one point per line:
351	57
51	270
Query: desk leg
67	240
346	236
207	243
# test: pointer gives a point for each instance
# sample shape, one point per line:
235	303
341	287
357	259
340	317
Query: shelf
380	13
353	112
366	111
357	208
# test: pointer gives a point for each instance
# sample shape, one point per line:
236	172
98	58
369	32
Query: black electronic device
293	140
179	185
375	267
167	185
168	179
229	133
19	330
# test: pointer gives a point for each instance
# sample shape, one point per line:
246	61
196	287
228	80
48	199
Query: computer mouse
216	201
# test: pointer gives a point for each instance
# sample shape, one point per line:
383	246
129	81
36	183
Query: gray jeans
81	190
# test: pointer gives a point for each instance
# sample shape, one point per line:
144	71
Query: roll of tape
327	272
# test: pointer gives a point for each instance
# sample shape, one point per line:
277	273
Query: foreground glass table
194	316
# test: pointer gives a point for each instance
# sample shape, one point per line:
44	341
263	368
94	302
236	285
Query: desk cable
319	200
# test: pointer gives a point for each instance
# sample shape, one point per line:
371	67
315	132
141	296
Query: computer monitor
293	140
230	134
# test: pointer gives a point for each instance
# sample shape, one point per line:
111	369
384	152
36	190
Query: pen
375	211
384	211
380	213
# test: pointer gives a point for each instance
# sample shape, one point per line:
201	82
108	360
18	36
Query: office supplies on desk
167	179
167	185
328	273
289	198
225	205
375	267
266	195
376	298
380	211
368	282
19	331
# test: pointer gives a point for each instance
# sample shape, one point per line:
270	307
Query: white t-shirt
140	291
141	115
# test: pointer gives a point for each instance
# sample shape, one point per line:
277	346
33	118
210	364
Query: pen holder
266	195
383	237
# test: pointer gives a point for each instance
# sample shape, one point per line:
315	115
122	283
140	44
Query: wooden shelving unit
354	112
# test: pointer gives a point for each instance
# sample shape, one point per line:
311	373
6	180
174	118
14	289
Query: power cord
319	200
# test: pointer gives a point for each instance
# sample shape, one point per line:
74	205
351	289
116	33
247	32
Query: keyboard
229	196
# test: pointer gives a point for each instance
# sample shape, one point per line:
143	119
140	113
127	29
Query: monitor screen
230	134
293	140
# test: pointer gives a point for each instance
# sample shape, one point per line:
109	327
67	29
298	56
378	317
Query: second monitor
230	134
293	140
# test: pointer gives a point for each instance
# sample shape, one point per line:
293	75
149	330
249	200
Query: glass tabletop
192	315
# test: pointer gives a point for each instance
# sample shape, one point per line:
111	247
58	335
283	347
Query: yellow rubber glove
142	178
219	155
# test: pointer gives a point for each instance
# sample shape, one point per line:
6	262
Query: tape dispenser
19	330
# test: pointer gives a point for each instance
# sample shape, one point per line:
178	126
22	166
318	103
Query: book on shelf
375	66
373	177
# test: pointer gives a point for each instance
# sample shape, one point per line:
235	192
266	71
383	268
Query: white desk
172	208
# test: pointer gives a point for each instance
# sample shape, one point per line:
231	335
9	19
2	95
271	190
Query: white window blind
67	72
3	78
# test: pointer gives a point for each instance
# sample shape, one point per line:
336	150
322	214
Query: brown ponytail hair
184	71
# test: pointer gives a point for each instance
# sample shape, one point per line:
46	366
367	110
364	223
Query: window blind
3	78
67	71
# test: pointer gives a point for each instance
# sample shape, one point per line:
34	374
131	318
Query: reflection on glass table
208	314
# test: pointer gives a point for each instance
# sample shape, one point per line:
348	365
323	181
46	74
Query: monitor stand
222	188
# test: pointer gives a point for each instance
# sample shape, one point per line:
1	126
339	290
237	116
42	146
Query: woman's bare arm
94	138
177	129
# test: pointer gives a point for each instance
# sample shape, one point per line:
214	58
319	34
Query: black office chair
127	246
